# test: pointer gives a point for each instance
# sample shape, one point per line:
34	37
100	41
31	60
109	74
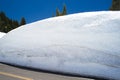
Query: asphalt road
8	72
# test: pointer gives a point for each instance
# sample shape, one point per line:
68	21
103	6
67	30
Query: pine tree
115	5
2	15
57	12
1	25
23	21
2	21
15	24
7	24
64	10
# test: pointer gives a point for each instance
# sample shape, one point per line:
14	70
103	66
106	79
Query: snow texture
83	44
1	34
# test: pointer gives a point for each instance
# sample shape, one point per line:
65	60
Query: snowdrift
1	34
83	44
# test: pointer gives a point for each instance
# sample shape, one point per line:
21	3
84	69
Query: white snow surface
1	34
83	44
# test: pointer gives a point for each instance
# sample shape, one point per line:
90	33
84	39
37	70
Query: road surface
8	72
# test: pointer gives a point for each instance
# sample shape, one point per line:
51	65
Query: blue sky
34	10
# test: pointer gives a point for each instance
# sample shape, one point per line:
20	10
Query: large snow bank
83	44
1	34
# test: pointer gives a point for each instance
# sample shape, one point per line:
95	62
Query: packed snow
1	34
83	44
